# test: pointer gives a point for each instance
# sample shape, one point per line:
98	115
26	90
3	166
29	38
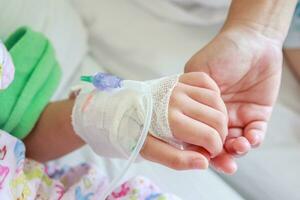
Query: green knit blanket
37	75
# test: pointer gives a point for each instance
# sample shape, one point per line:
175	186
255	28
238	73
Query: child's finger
205	96
199	79
158	151
194	132
207	115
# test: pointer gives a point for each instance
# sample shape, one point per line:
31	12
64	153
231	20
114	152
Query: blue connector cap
103	81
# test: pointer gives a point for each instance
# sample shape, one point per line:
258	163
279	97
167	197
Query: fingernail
198	163
220	170
256	140
233	169
239	152
229	169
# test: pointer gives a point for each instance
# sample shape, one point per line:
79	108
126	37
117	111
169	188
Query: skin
245	60
197	115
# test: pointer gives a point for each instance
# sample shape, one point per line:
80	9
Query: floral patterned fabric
25	179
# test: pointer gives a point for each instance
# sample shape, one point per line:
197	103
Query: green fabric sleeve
37	75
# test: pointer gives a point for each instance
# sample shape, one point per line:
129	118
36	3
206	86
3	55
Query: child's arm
53	135
197	116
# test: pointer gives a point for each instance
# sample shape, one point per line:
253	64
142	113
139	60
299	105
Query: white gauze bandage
111	121
161	90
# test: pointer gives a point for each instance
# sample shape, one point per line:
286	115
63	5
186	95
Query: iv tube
138	147
104	81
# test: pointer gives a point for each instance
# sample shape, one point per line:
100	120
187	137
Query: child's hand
197	116
187	108
197	113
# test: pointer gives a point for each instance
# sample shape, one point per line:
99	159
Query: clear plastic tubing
105	81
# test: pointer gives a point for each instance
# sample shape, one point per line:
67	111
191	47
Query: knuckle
210	82
217	90
220	123
221	120
176	96
216	101
173	99
197	73
174	118
210	137
175	124
214	97
204	76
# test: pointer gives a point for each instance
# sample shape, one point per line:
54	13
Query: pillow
58	21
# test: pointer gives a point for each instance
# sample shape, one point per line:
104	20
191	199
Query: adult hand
246	65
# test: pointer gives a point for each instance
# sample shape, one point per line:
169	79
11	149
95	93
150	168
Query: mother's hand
247	67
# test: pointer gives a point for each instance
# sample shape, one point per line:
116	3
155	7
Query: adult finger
224	163
237	146
255	132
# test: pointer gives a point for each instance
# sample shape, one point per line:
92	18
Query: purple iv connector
103	81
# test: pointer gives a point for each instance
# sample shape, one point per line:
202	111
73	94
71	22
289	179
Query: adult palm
246	65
